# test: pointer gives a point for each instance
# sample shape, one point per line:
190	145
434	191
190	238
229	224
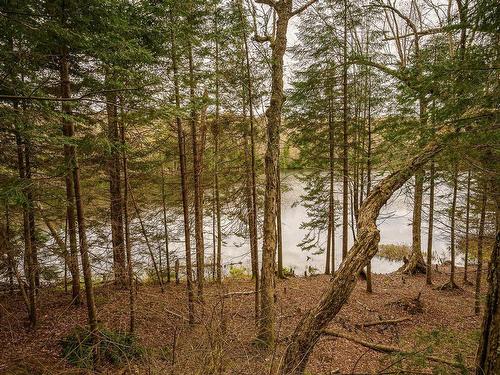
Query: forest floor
445	327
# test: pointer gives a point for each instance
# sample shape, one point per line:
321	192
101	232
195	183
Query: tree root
388	348
450	285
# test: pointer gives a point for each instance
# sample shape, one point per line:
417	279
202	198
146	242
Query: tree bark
216	135
308	330
467	225
369	286
126	224
266	332
165	223
253	230
431	225
116	200
28	257
278	215
182	162
345	146
416	262
487	359
480	242
198	189
452	226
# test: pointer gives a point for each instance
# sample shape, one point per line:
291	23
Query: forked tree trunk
182	162
309	329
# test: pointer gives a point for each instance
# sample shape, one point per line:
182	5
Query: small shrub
112	347
288	271
238	272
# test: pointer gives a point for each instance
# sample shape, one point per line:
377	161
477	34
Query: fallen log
388	348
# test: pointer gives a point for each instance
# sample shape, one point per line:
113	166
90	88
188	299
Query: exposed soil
443	324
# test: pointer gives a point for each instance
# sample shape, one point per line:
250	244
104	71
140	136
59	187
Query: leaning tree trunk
309	329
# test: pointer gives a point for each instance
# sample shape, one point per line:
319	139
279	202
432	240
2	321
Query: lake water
394	224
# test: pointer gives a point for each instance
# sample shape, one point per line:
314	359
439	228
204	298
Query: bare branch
303	7
271	3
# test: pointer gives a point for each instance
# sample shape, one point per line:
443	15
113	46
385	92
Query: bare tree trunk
165	223
452	283
144	233
216	135
431	225
28	257
31	211
116	199
266	332
467	225
126	224
480	242
10	258
330	246
487	359
253	230
345	163
278	215
185	199
308	330
198	189
416	262
369	286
